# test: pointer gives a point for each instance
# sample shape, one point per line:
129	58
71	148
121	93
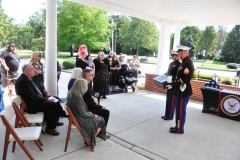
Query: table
229	104
222	102
210	99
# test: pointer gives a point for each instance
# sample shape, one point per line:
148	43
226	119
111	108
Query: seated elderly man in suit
87	97
35	101
40	85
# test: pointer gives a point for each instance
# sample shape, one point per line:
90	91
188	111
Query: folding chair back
24	106
72	120
18	134
17	100
8	113
31	118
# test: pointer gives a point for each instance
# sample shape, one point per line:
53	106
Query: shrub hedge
143	59
68	64
223	80
232	65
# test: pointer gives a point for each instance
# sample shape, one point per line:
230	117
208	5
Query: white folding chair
31	118
20	135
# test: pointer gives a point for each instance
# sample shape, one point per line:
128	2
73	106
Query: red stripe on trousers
172	107
180	116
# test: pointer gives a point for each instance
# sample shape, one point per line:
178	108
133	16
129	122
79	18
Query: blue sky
21	10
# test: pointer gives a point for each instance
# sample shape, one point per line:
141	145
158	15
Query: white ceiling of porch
175	12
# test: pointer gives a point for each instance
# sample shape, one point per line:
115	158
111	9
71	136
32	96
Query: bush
206	76
143	60
223	80
227	81
232	65
234	80
68	64
195	75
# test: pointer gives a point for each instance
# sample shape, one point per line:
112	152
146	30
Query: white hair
76	72
80	87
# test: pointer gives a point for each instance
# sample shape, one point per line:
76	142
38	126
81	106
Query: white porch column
51	47
163	50
176	37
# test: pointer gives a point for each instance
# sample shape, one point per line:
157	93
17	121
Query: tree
187	31
8	31
190	43
136	33
221	35
38	22
80	24
231	47
25	35
171	41
38	44
208	39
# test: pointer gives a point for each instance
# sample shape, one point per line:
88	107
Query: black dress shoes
175	131
167	118
163	117
59	124
171	128
52	132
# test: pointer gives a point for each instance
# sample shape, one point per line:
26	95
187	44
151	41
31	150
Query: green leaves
231	48
208	39
79	24
136	33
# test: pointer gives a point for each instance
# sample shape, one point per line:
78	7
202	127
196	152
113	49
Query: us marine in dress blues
172	72
182	89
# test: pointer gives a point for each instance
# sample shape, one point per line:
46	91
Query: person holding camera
135	65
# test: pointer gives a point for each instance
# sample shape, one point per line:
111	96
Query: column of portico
51	47
176	37
163	49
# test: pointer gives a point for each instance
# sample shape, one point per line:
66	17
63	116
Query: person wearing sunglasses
36	58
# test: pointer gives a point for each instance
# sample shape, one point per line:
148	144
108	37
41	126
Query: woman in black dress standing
115	66
101	79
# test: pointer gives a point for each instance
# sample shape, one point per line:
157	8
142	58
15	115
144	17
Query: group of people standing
179	88
89	81
106	68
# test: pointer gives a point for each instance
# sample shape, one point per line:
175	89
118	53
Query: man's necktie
38	91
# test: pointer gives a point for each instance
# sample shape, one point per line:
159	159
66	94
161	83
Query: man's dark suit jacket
27	91
87	97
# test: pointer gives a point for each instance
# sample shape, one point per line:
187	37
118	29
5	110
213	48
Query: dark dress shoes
171	128
163	117
59	124
107	136
104	97
52	132
175	131
167	118
63	114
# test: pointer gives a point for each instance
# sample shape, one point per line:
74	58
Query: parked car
238	70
